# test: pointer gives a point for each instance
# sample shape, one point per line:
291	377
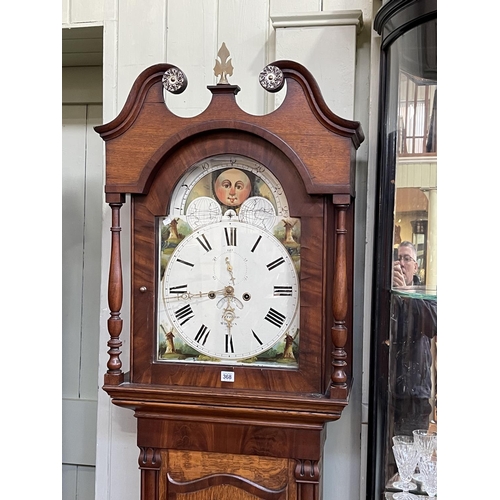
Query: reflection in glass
411	401
414	326
415	105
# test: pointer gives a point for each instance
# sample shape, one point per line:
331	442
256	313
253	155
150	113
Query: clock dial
228	215
230	290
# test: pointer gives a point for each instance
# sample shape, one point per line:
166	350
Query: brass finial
223	67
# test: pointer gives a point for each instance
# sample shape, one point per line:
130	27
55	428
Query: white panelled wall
335	41
82	178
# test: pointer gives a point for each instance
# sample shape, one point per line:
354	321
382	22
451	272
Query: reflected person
405	268
413	325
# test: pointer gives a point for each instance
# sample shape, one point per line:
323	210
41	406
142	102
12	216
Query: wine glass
426	443
400	439
406	455
428	469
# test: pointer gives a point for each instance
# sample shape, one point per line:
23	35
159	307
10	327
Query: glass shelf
390	496
389	490
417	292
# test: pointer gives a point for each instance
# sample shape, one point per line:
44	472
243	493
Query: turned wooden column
340	301
114	375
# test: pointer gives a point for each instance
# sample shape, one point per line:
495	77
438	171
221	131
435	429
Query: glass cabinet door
403	372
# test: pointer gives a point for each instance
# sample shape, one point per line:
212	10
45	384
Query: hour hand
181	293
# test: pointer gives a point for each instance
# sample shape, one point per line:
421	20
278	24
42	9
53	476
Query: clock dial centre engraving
230	268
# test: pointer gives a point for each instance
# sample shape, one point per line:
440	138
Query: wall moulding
310	19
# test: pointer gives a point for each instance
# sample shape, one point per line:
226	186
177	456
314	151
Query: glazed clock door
218	249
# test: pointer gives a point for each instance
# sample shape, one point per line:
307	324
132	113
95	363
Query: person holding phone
406	266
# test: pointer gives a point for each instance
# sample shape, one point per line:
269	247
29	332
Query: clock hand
188	295
229	267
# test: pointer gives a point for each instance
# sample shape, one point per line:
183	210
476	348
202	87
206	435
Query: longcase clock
241	312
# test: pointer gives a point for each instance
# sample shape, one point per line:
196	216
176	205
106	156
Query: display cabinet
403	371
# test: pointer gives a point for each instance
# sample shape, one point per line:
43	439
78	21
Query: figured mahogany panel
223	436
203	476
226	492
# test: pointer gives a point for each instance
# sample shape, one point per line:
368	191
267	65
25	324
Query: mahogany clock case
262	434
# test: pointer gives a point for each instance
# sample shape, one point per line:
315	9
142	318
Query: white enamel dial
230	289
